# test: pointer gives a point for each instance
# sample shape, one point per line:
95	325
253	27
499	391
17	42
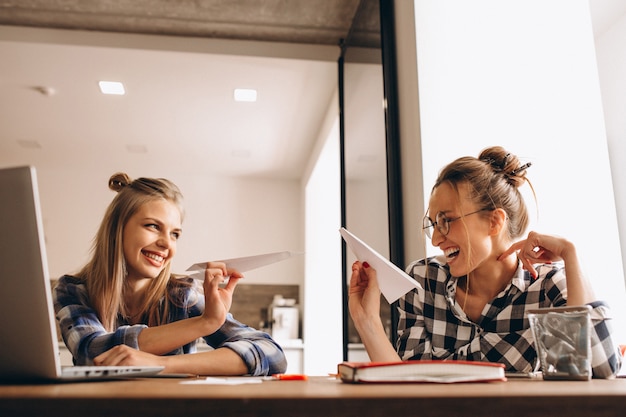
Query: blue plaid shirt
432	325
86	338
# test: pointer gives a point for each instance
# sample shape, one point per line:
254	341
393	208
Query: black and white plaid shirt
432	325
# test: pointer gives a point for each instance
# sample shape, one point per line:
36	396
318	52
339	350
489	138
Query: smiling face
468	243
150	238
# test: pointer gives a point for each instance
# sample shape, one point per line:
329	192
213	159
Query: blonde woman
477	294
125	307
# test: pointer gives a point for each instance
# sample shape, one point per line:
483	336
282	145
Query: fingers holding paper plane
364	305
393	281
363	276
218	299
364	293
220	270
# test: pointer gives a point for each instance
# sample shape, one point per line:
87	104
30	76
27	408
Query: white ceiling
178	109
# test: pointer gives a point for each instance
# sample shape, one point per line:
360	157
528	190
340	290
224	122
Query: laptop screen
27	323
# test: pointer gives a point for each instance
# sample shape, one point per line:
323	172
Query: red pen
289	377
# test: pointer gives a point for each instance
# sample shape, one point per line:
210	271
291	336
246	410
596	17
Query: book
424	371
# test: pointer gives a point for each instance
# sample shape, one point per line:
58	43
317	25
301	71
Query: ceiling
319	22
180	61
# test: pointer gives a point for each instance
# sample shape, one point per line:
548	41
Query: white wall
523	75
611	54
225	218
322	321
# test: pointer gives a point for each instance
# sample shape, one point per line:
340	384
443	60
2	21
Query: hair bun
505	163
118	181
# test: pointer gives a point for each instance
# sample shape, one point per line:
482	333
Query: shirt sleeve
261	354
606	359
81	330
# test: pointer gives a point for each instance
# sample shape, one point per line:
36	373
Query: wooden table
319	396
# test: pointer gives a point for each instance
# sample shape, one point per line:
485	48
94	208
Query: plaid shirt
86	338
432	325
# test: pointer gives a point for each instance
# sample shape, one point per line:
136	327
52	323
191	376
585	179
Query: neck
492	277
134	292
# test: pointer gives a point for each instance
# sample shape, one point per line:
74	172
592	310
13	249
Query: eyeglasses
442	223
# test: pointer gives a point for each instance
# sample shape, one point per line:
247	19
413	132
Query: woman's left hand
123	355
538	248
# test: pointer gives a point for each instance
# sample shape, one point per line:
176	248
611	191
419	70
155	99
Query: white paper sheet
393	281
224	381
243	264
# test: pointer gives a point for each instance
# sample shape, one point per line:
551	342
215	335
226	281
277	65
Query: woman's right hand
364	293
218	299
364	305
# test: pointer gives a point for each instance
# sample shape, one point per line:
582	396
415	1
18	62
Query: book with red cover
434	371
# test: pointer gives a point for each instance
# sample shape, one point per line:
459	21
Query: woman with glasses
474	298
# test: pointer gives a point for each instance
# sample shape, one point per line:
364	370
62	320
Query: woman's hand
128	356
364	293
538	248
219	299
364	304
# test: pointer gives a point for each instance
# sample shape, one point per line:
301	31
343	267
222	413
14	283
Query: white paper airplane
393	281
243	264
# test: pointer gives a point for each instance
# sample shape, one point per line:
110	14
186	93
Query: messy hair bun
506	164
118	181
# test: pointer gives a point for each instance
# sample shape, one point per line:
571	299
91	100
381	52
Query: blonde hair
105	274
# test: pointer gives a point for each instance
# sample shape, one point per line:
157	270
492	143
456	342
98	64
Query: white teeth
154	256
450	251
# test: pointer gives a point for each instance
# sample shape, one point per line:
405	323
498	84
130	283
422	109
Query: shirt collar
518	281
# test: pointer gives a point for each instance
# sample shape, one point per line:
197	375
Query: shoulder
70	284
70	290
550	280
183	289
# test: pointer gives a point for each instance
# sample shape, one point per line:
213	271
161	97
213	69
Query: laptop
29	347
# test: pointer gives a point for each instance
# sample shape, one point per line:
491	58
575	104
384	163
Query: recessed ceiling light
29	144
112	87
245	94
241	153
137	148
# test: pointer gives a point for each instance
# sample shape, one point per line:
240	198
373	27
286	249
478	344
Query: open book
445	372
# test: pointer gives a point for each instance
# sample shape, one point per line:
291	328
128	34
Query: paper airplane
243	264
393	281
